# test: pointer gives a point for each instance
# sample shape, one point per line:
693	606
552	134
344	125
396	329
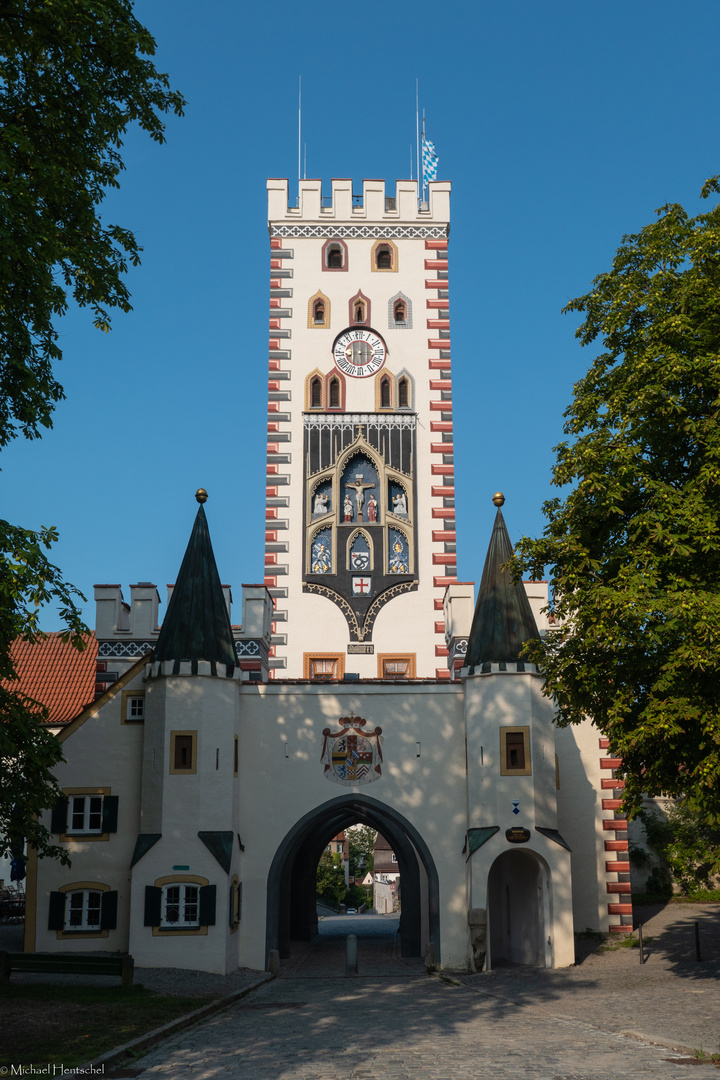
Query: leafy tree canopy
74	75
635	545
361	844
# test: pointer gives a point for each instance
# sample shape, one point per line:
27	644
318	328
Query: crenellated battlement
374	205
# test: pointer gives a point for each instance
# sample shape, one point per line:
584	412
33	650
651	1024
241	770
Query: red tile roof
55	674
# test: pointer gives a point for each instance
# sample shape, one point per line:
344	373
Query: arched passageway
517	916
291	900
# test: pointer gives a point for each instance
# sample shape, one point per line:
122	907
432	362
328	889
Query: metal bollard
351	962
640	943
697	941
274	962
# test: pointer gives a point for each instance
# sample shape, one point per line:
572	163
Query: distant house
386	877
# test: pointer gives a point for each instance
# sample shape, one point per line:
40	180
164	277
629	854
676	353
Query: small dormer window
319	311
316	393
400	311
403	394
334	257
383	257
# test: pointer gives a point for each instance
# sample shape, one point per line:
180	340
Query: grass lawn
69	1025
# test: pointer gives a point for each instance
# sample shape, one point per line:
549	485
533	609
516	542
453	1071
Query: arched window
334	256
383	257
316	393
360	312
400	311
403	394
385	398
334	394
319	311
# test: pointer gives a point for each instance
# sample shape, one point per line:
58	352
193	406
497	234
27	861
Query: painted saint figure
400	503
398	564
321	559
372	508
347	509
320	506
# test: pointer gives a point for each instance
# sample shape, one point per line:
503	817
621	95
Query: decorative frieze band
124	649
362	232
376	420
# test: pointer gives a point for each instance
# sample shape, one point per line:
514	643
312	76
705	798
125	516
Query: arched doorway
291	911
518	891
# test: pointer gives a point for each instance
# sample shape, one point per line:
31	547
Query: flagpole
423	172
299	134
417	134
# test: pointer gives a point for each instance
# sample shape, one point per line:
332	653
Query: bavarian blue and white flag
430	161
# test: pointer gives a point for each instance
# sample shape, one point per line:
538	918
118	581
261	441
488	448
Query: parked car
351	911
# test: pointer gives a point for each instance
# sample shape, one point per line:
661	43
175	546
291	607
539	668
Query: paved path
605	1019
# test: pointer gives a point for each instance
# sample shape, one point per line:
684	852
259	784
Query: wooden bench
61	964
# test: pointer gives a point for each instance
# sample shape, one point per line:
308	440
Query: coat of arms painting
352	756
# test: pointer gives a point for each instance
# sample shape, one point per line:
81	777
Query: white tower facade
360	506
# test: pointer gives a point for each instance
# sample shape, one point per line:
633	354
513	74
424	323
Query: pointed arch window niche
335	391
359	310
404	391
399	312
318	312
384	391
334	255
384	257
315	390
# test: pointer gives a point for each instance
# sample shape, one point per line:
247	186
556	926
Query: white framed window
136	708
180	906
83	910
394	857
85	814
133	706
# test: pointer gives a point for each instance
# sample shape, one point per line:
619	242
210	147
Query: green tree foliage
28	751
74	75
686	848
331	878
635	545
361	843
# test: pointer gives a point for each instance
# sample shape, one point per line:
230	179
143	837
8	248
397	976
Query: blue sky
562	126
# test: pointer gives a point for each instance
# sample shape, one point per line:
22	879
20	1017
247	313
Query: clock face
359	353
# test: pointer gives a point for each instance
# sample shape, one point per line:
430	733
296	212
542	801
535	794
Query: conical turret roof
197	624
503	619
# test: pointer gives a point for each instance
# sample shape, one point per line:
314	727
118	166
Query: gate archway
518	914
291	899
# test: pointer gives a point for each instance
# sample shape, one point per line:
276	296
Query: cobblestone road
601	1020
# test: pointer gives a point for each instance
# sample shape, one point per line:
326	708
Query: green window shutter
153	903
110	813
56	911
208	898
58	824
108	911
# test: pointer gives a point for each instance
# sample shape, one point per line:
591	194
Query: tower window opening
385	402
335	257
515	751
403	394
383	258
319	311
316	394
400	311
334	402
359	313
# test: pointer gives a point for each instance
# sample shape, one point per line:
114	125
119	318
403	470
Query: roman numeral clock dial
359	353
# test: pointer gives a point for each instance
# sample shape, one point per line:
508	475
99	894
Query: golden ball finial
498	499
201	495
